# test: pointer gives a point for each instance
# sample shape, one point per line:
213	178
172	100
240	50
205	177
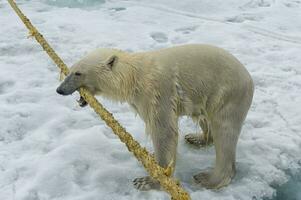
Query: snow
50	148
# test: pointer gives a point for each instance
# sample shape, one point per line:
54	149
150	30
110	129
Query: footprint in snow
244	17
293	4
67	27
257	3
117	9
159	37
5	86
187	29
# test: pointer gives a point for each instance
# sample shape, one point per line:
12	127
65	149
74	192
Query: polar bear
201	81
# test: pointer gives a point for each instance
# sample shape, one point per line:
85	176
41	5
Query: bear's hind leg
203	139
225	132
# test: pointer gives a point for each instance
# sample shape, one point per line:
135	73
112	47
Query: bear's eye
78	73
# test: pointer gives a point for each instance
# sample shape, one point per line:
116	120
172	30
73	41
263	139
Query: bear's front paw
146	183
82	102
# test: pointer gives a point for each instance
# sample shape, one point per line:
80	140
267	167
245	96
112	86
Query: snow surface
50	148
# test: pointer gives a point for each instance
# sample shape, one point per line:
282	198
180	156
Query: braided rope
169	184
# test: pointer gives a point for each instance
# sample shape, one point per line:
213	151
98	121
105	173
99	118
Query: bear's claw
197	140
146	183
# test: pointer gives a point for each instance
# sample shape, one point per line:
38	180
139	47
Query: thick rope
169	184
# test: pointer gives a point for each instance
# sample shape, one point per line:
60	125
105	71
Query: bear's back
200	62
202	69
196	55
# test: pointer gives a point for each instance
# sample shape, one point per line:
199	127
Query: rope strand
169	184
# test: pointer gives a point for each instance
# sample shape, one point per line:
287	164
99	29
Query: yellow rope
162	175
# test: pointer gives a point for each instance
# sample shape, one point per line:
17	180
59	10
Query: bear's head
94	72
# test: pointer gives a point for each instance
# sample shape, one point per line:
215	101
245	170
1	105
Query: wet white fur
200	81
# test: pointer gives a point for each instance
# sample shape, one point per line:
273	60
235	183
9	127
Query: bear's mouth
82	102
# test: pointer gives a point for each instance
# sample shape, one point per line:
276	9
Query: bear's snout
68	86
60	91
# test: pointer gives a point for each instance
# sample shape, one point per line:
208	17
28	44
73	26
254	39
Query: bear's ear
111	61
